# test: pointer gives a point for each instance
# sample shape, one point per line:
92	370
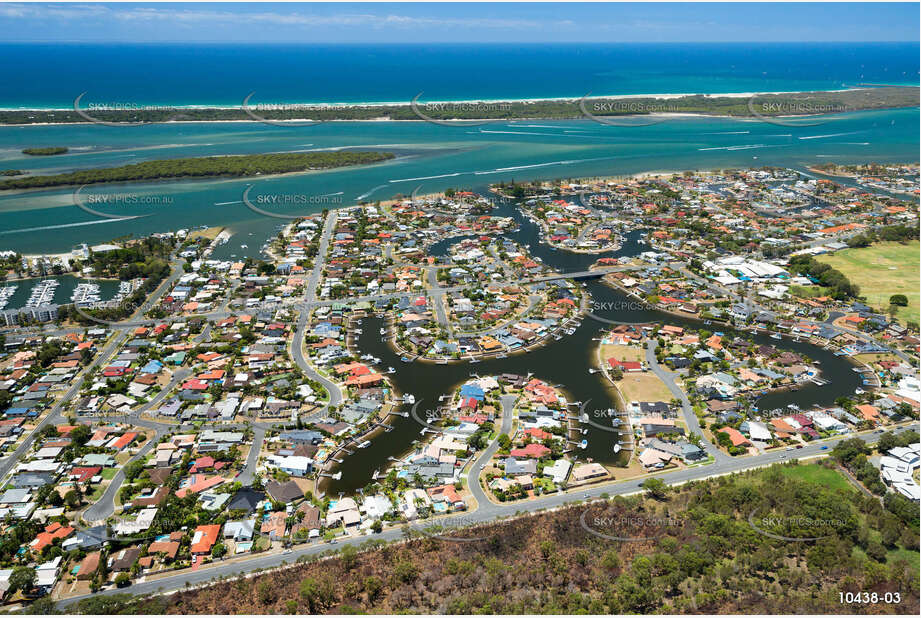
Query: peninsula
742	105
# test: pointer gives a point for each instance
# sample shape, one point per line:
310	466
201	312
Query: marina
42	293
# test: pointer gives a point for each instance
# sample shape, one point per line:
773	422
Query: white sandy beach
458	101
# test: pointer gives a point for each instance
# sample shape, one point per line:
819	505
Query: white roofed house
295	465
558	471
46	575
828	423
143	521
211	440
896	464
758	431
413	500
377	506
344	512
240	530
910	456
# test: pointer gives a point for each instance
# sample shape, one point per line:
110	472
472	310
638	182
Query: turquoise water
430	157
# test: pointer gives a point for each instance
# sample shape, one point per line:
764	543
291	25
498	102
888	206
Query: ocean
52	75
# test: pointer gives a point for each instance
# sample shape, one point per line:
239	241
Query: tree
349	557
133	470
899	300
218	550
72	499
122	580
655	487
22	578
373	586
80	434
876	551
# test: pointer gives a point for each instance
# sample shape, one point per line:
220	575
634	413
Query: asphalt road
248	475
486	511
297	341
473	477
668	378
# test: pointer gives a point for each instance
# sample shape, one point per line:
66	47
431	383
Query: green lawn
820	475
881	270
108	473
811	291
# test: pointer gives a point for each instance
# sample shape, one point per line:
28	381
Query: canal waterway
564	363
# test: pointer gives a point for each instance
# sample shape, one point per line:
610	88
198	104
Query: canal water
564	363
62	293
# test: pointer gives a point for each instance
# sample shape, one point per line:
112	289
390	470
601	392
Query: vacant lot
882	270
622	353
818	475
643	387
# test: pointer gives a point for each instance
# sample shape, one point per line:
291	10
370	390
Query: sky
458	22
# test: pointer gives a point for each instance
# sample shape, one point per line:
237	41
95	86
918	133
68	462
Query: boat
583	444
409	398
365	444
617	448
383	331
776	336
406	359
593	371
859	391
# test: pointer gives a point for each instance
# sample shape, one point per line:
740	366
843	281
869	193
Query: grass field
643	387
622	353
820	475
882	270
